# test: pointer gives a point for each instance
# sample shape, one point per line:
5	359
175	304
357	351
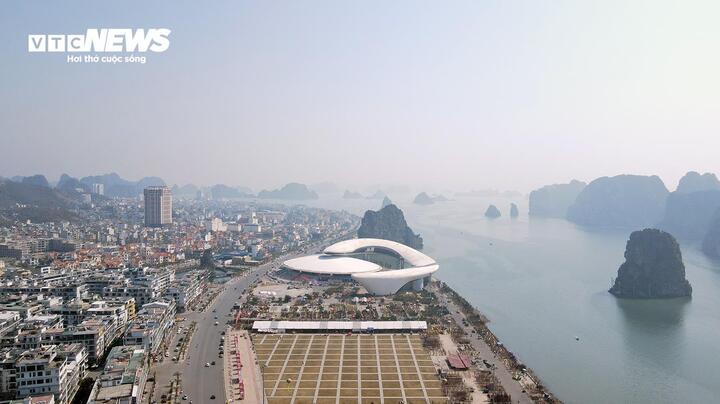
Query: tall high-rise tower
158	206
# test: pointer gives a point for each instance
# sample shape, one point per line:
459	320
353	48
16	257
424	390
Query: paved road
199	382
511	385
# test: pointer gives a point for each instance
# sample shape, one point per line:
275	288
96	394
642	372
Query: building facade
158	206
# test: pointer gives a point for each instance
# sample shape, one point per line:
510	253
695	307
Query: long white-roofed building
383	267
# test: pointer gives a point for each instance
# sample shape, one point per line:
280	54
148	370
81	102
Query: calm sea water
542	282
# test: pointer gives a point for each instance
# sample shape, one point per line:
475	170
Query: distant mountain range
117	187
221	191
23	193
691	212
26	200
33	198
114	185
292	191
38	180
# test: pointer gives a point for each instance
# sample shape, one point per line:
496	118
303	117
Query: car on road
184	397
207	365
212	363
216	323
212	397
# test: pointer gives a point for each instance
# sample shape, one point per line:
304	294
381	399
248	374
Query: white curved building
401	267
331	265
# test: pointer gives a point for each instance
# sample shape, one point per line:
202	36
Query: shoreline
533	386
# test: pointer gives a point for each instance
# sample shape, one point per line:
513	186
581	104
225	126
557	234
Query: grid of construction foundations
336	368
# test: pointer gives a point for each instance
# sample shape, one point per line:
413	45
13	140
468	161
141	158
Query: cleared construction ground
367	368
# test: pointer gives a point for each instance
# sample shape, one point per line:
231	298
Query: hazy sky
444	94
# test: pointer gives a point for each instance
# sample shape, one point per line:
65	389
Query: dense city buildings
98	299
225	301
158	206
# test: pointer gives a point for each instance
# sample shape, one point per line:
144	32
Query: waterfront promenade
511	386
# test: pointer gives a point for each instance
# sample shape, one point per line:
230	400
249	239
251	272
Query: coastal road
511	386
200	382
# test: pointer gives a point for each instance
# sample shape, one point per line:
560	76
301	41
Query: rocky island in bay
691	209
554	200
352	195
492	212
291	191
377	195
386	201
711	240
694	181
222	191
423	199
653	268
689	216
623	201
389	223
